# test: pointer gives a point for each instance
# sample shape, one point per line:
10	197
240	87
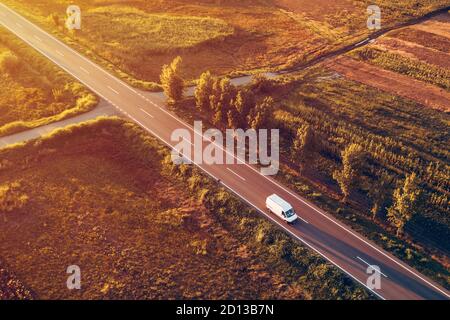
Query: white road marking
60	53
407	268
84	70
37	38
302	219
269	216
236	174
361	42
150	115
19	25
368	264
112	90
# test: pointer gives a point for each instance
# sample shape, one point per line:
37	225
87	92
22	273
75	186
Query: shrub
9	62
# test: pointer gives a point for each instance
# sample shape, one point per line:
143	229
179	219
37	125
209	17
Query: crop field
34	91
413	62
140	227
399	135
136	38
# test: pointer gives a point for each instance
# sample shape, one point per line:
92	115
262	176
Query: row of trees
404	198
238	108
219	98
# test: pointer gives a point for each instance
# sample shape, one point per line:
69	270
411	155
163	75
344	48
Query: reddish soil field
439	26
415	51
318	9
426	94
423	38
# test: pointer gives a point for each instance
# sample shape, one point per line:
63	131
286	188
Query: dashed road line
84	70
115	91
368	264
150	115
236	174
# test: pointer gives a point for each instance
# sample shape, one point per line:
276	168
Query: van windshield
289	213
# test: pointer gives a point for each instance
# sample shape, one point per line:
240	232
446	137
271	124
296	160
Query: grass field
135	39
140	227
34	91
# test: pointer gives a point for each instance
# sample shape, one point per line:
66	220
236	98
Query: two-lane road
334	241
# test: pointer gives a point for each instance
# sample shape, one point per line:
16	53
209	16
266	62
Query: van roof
285	206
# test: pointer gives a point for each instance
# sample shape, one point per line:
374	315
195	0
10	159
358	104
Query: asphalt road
321	232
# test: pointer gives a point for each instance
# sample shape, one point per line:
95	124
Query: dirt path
426	94
102	109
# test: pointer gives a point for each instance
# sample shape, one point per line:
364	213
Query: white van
281	208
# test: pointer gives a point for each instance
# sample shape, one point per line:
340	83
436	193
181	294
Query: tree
261	84
204	90
233	119
405	203
227	94
218	117
11	198
9	62
379	192
304	145
259	116
172	82
244	102
214	98
347	178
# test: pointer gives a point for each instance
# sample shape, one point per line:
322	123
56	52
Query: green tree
203	91
349	176
172	82
405	203
304	146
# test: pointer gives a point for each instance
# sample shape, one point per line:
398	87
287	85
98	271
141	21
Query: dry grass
102	195
34	91
135	39
134	232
